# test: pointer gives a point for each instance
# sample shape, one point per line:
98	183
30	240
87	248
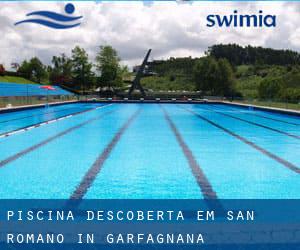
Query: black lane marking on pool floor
201	179
273	119
256	124
36	125
50	139
38	114
94	170
266	117
283	162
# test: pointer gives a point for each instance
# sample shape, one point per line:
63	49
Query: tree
38	70
81	69
33	70
205	73
61	71
214	76
224	84
2	70
25	69
238	55
108	65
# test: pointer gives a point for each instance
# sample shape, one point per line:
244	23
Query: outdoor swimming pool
95	151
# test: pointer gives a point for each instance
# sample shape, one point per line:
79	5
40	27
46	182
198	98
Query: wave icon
55	20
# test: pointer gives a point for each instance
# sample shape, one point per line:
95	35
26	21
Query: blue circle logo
69	8
53	19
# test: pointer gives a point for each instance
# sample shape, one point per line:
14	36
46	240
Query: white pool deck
267	108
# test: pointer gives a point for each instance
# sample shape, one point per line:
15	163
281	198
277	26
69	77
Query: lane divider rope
50	139
260	149
255	124
17	131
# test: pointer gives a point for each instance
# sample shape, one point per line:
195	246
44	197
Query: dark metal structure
136	82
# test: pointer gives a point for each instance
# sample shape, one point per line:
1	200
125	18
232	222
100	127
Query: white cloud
169	28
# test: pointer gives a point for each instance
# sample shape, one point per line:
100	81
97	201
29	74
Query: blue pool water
149	151
17	120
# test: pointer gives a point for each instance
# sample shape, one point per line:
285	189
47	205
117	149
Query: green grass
165	83
15	79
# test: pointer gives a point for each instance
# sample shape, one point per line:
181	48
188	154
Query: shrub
290	95
172	78
269	88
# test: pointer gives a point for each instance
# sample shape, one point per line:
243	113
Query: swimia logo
239	20
54	20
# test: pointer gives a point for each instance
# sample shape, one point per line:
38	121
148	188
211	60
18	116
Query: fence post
27	94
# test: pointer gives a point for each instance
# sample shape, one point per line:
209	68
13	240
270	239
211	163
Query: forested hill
235	54
238	55
183	65
232	70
